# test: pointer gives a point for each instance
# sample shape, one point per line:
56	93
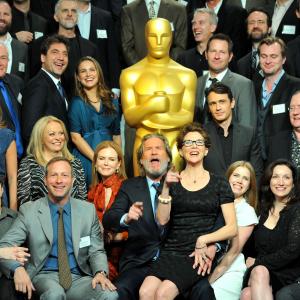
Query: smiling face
202	28
56	59
87	74
154	158
53	138
294	112
107	162
5	18
240	181
195	152
59	181
281	182
3	60
257	26
218	56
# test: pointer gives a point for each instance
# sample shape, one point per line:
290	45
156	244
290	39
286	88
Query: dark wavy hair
266	195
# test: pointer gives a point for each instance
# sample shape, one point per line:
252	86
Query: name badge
85	241
172	26
21	67
129	1
183	2
19	98
278	109
101	34
38	34
289	29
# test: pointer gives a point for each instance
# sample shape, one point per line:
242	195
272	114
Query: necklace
94	101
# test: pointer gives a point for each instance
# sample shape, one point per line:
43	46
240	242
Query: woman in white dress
227	278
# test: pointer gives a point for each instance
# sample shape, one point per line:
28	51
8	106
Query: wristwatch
101	272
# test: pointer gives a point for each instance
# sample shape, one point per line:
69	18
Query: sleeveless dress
6	138
193	214
229	285
95	127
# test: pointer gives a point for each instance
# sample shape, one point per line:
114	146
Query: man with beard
258	27
66	16
134	210
26	25
68	259
17	51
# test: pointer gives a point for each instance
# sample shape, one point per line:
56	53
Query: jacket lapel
76	216
45	219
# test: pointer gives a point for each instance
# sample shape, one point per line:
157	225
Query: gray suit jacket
243	92
134	18
34	225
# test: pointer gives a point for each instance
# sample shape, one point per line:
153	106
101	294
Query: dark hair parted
102	90
270	40
53	39
219	88
192	127
262	10
266	196
56	159
222	37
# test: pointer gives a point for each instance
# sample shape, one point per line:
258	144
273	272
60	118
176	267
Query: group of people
213	213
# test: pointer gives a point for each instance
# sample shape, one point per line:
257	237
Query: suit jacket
20	64
34	225
106	45
289	19
13	85
268	5
134	18
293	57
41	98
144	237
245	147
243	92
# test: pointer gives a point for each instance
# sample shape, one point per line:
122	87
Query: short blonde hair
35	146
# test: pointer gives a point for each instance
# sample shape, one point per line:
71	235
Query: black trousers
289	292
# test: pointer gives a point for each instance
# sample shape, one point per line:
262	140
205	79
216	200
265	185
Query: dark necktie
64	272
61	90
151	10
13	117
254	59
156	186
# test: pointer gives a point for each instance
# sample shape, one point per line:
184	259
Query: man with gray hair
134	210
204	24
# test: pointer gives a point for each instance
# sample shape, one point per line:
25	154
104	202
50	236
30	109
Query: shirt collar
55	80
286	4
150	182
220	76
217	8
87	11
54	207
275	82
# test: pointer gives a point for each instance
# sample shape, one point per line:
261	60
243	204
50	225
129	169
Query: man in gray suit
134	18
68	259
219	54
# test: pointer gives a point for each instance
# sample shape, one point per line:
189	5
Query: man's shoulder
133	181
237	77
30	206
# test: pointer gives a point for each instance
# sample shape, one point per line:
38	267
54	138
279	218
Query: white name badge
289	29
85	241
278	109
20	98
101	34
129	1
183	2
21	67
38	34
172	26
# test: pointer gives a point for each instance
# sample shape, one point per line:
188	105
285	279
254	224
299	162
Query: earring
117	170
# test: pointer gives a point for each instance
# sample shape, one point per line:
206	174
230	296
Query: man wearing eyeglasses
230	140
286	143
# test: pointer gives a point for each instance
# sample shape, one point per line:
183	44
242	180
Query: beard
258	37
5	29
153	172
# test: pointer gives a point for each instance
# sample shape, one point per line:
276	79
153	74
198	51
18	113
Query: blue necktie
156	186
13	117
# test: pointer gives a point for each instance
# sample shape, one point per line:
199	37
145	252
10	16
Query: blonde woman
49	138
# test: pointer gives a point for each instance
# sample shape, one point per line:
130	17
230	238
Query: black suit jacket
245	147
41	98
293	57
106	46
13	85
144	237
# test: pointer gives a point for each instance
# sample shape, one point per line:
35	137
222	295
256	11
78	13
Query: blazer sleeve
255	156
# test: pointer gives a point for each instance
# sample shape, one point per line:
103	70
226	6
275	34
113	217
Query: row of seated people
171	224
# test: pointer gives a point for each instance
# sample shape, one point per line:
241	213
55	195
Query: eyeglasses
294	108
190	143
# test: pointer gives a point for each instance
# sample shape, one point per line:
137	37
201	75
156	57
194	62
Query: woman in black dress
277	236
189	203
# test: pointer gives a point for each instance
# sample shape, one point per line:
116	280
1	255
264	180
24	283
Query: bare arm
11	165
82	145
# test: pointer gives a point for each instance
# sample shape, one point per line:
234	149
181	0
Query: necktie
253	59
13	117
61	90
156	186
152	14
64	272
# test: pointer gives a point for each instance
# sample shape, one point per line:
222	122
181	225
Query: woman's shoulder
7	134
245	213
30	161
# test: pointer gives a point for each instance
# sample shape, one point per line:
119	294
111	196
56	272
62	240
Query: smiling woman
48	139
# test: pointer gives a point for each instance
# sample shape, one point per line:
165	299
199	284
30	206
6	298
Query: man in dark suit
134	210
26	25
68	259
268	5
258	27
43	94
204	24
219	54
134	18
18	60
230	140
285	23
274	93
231	21
96	25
